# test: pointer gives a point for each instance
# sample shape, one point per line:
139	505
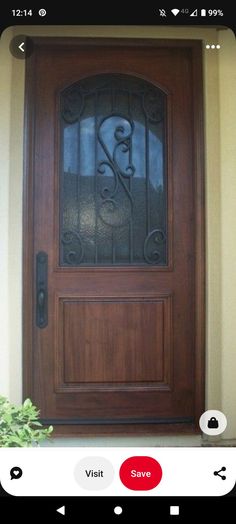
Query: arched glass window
113	187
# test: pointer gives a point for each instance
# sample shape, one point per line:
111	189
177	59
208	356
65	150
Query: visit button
140	473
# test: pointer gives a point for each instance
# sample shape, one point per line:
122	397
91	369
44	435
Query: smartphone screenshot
117	205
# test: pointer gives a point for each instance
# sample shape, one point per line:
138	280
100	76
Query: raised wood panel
114	343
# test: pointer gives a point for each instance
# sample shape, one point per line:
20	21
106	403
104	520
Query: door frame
195	48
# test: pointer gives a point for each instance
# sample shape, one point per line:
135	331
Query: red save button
140	473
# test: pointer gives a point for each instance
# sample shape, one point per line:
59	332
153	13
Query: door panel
114	136
126	353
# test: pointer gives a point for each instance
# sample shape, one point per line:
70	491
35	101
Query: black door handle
41	289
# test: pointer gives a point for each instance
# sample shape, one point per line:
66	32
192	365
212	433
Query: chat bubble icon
16	473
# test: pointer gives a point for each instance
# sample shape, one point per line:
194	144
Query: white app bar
118	471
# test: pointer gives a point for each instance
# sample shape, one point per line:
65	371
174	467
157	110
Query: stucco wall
227	86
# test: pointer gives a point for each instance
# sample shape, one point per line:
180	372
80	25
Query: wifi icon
175	11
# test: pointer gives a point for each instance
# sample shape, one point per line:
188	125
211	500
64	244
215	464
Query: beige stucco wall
220	132
5	104
227	85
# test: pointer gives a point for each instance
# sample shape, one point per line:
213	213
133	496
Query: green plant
20	426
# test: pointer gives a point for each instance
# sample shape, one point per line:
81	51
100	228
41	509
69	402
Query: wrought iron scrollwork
155	238
73	248
113	176
110	210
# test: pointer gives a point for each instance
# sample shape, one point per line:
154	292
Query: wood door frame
195	48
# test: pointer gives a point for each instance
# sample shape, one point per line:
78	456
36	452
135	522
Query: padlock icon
213	423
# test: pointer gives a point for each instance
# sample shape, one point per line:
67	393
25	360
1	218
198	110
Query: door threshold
126	441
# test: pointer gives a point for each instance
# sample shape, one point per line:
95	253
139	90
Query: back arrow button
21	47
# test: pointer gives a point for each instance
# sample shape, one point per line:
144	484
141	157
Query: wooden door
113	235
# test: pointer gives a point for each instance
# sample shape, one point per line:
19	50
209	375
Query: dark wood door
113	281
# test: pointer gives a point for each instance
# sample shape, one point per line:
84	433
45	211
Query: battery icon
203	12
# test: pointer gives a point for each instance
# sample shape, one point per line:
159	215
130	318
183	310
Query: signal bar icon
175	11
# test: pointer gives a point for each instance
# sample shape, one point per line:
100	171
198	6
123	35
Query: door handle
42	289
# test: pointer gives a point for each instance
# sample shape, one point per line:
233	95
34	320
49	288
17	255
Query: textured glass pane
113	189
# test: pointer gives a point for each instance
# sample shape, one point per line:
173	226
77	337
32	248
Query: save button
140	473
